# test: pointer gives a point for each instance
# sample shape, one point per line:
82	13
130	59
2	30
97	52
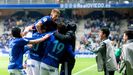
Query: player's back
36	51
46	22
54	51
16	53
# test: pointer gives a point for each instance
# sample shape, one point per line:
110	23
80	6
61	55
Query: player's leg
23	72
12	74
66	67
71	64
53	71
29	68
35	67
44	69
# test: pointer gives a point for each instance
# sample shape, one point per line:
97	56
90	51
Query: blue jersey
16	53
54	51
37	51
47	22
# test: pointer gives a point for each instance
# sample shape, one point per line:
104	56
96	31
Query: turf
3	65
87	66
83	66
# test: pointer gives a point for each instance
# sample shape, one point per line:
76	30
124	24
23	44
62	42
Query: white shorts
48	70
33	67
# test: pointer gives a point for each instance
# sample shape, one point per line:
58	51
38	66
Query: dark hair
71	26
16	32
61	27
105	31
129	34
49	26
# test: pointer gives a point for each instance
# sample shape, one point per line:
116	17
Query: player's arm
70	51
38	26
67	37
27	47
27	29
40	39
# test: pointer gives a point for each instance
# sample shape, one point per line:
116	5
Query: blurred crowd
23	21
92	24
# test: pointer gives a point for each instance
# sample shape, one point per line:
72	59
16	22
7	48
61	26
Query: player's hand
27	29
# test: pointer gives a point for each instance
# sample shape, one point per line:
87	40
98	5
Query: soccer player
17	50
35	54
54	51
48	23
68	61
46	20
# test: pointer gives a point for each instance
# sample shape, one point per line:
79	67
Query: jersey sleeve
26	48
32	38
23	42
67	37
44	20
70	51
101	48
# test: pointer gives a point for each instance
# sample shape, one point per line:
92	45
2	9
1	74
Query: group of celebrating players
51	44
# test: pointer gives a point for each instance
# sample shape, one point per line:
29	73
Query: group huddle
51	44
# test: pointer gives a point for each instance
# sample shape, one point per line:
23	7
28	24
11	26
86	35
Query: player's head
104	33
71	27
50	26
55	14
16	32
61	28
128	35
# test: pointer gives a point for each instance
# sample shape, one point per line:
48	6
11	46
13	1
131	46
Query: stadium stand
87	20
88	25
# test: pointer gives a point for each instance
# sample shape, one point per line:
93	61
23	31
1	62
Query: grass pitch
83	66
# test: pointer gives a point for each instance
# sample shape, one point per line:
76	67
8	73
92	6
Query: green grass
3	65
86	66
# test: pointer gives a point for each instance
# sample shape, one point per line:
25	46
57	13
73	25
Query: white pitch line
77	73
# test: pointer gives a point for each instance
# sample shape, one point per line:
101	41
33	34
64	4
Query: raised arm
65	37
101	48
40	39
27	29
38	26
